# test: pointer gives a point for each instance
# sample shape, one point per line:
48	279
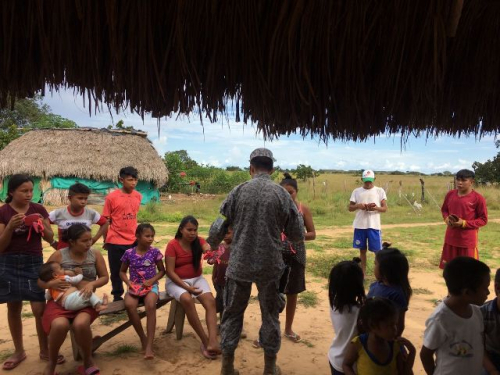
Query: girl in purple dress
142	262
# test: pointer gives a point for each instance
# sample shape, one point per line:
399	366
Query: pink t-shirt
19	242
122	208
183	260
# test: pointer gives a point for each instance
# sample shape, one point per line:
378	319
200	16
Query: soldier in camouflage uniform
258	210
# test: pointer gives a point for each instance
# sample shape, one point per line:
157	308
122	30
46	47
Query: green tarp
148	191
37	193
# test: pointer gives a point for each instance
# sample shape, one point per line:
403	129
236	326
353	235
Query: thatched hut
57	158
343	69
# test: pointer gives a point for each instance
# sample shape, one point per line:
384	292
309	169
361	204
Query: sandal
11	364
60	358
256	344
293	337
206	353
92	370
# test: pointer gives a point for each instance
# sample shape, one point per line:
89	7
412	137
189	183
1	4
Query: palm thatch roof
347	69
90	153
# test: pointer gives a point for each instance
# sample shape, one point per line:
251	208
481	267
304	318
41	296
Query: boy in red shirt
121	208
464	212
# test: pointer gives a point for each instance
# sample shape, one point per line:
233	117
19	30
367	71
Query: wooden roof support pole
454	18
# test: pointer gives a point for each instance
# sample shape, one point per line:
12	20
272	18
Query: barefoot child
347	294
71	298
142	262
454	331
379	351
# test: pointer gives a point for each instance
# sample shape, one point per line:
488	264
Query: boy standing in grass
121	208
454	333
77	213
369	201
464	212
491	317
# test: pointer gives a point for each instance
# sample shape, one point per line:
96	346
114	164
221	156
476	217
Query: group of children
460	337
368	328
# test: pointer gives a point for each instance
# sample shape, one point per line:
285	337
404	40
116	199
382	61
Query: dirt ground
183	357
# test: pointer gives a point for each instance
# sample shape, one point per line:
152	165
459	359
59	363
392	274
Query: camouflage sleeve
219	226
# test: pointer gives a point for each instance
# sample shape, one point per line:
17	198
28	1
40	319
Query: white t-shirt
368	219
458	342
345	329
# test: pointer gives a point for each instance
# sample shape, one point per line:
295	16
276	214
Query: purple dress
142	267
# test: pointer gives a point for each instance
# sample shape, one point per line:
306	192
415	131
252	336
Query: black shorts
219	298
18	278
293	280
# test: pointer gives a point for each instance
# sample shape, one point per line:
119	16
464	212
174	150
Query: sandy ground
183	357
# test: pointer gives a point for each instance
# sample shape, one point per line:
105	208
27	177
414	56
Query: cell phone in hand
453	218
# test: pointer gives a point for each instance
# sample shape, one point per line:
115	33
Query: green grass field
328	197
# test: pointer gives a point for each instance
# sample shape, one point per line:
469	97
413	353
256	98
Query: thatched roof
85	152
348	69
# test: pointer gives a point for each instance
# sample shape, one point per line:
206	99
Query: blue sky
230	143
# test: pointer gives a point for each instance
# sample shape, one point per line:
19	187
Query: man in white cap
369	201
258	210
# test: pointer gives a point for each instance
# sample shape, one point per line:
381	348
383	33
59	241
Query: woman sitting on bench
56	320
186	282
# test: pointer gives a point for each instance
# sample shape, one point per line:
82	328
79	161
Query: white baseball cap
368	175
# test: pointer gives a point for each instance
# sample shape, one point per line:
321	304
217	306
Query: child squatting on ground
454	333
71	298
369	201
346	293
378	351
142	261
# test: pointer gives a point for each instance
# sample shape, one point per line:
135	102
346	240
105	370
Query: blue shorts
370	239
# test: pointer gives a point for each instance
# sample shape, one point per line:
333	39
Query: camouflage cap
262	152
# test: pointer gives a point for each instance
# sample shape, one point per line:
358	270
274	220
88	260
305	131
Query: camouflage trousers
236	296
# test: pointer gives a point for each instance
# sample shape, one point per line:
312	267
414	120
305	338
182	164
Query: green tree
175	167
29	113
489	171
303	172
185	158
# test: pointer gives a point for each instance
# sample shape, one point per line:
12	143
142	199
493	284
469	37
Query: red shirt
19	242
122	208
472	209
183	260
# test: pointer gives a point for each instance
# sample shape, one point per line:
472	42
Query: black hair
394	268
464	174
464	273
14	182
78	188
262	163
142	227
46	272
196	249
497	277
74	232
289	181
128	171
375	311
345	287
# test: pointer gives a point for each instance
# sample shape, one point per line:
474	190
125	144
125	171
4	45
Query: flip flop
92	370
206	353
293	337
11	364
60	359
256	344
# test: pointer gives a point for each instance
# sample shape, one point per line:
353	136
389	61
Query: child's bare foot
102	306
149	354
213	347
105	299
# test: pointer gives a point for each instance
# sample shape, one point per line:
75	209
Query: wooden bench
176	319
116	308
